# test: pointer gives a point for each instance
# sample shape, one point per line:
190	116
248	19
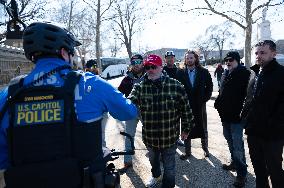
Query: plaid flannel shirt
162	105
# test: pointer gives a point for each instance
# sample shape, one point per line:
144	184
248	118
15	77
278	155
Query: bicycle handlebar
129	152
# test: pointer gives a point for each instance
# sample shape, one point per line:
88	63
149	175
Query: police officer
47	138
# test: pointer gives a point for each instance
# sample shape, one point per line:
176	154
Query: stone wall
12	63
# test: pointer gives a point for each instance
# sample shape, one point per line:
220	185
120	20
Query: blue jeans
233	133
169	164
130	128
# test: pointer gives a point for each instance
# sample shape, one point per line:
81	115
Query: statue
3	2
264	32
264	14
15	26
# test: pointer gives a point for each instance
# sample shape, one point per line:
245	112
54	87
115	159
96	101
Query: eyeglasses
229	60
136	62
148	67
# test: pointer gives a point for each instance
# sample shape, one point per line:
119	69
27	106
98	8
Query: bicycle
112	176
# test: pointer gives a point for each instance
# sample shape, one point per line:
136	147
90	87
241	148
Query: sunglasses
136	62
148	67
229	60
169	57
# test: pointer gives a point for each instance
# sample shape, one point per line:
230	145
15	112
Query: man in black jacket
264	116
229	104
170	66
198	85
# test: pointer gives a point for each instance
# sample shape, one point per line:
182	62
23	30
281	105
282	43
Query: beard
170	64
190	64
136	71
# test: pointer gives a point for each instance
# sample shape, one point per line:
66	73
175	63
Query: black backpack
41	147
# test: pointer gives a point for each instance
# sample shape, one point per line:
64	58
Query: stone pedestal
264	32
18	43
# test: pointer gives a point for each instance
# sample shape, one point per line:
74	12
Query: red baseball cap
153	59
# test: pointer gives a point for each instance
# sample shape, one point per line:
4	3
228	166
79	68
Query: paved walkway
197	171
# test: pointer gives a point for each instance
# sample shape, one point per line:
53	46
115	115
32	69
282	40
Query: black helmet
91	63
169	53
47	39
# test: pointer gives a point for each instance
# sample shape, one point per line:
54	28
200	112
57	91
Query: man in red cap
162	102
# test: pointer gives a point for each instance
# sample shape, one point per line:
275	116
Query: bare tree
126	20
84	30
114	48
204	45
78	20
101	8
219	35
243	13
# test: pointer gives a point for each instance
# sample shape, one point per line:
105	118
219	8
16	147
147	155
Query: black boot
240	181
230	167
206	152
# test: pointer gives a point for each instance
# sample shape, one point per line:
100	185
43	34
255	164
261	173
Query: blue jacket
93	97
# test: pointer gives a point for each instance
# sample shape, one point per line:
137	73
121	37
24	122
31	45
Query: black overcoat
198	95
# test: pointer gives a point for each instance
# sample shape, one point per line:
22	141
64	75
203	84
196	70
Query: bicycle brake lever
112	158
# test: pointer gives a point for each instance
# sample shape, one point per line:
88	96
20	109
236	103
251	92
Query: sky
178	30
175	30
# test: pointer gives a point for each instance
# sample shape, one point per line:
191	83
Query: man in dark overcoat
198	85
263	113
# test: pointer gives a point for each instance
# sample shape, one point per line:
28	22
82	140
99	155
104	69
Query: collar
271	65
193	70
47	64
51	62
